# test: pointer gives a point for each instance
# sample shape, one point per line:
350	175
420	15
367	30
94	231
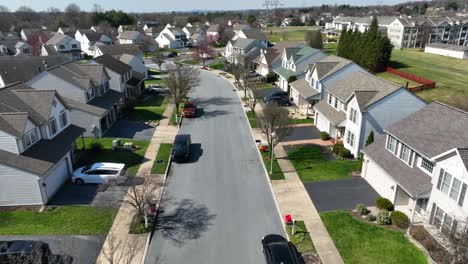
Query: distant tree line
113	17
371	49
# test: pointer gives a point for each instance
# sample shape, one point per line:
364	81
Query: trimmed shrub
384	203
345	153
324	135
361	209
400	219
337	148
360	162
271	77
96	146
383	217
371	218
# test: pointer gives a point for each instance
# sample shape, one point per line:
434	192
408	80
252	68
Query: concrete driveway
341	194
83	249
302	133
216	208
125	128
99	195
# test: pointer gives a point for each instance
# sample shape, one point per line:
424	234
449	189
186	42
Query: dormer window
427	165
336	103
63	119
29	138
392	144
53	127
405	153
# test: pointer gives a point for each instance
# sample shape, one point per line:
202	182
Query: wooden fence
425	83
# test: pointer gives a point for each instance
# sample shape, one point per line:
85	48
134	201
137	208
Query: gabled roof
367	88
19	69
176	30
59	38
133	35
333	115
126	58
99	105
303	87
242	43
112	63
93	36
464	156
214	28
329	65
433	130
120	49
254	34
81	75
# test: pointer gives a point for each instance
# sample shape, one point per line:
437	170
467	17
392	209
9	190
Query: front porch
414	207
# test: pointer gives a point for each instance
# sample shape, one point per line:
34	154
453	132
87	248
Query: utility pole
271	11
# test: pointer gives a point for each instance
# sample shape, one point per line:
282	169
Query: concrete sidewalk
120	246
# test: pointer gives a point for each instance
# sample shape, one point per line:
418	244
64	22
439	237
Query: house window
427	165
53	127
448	183
336	103
353	115
329	99
405	153
62	47
54	103
444	181
29	138
74	46
350	139
438	217
455	190
444	222
392	144
63	119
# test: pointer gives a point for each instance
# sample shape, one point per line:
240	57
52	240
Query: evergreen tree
370	138
314	39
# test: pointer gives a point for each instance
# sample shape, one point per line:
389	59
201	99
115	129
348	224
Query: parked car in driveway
157	89
181	149
279	97
102	172
278	250
190	109
29	252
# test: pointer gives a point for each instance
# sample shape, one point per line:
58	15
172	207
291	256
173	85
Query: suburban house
454	51
309	90
248	33
120	73
66	31
131	37
360	103
123	28
15	48
213	32
270	58
28	34
86	89
118	50
197	39
172	37
37	145
294	62
239	50
422	167
9	35
136	63
21	69
189	31
88	38
358	23
237	27
62	44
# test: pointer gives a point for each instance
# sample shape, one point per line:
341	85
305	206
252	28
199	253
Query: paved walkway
120	246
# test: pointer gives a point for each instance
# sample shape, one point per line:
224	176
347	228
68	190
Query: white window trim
411	155
423	168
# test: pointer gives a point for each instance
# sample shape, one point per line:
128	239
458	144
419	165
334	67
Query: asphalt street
216	208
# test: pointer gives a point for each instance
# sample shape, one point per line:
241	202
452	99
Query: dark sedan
181	149
278	250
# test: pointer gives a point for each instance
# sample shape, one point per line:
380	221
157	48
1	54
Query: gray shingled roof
433	130
303	87
464	156
20	69
80	74
333	115
412	180
133	35
254	34
99	105
213	28
242	43
120	49
329	65
58	38
38	159
112	63
370	88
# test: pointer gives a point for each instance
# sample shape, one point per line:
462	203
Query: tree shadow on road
215	101
185	220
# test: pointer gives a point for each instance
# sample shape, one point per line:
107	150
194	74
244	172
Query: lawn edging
419	245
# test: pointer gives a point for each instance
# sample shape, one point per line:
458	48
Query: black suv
181	149
279	97
278	250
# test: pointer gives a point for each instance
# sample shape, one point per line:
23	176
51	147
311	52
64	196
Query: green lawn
153	81
162	159
312	166
275	34
277	172
360	242
217	65
263	85
63	220
151	109
191	62
155	71
450	74
303	121
252	120
330	48
301	238
397	79
132	160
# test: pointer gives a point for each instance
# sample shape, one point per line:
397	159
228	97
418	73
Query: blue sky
181	5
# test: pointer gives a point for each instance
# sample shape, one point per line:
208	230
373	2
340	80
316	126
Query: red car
190	109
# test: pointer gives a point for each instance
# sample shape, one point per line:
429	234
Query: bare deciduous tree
275	124
158	58
254	98
285	35
203	52
246	81
180	80
236	70
139	196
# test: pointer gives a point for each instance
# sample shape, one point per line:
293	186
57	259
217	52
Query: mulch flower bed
437	252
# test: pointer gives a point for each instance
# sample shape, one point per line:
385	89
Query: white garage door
322	123
379	180
56	178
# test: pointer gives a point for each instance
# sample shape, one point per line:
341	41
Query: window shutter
462	195
439	182
431	219
454	228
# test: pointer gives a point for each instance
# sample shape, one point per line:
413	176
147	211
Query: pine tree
370	138
314	39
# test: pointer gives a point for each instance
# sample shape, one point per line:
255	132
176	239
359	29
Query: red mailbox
288	219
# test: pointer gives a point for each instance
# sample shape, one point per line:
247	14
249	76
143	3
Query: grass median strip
311	165
63	220
252	120
301	238
162	159
277	173
360	242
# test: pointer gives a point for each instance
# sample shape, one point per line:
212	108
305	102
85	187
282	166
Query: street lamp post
273	135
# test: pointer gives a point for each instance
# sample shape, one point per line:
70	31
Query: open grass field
360	242
397	79
450	74
63	220
312	166
275	34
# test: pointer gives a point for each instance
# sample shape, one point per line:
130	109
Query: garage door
379	180
56	178
322	123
